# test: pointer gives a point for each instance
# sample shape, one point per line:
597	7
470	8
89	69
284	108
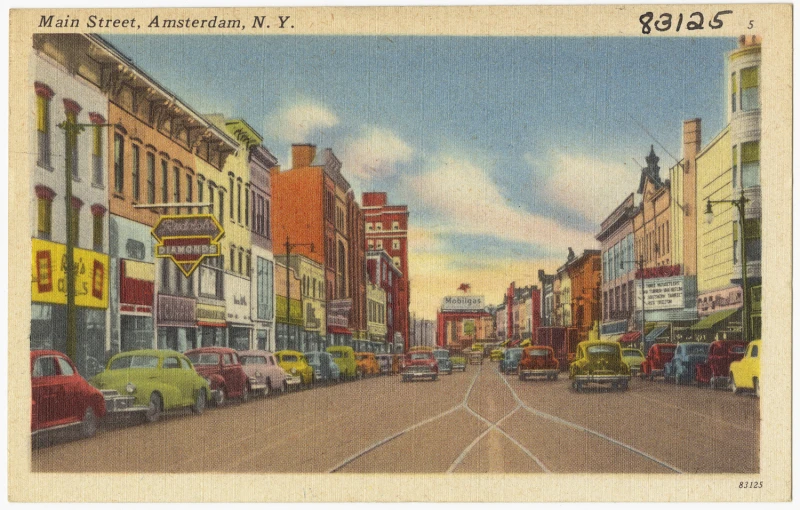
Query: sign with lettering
175	310
187	239
462	303
211	315
49	278
661	293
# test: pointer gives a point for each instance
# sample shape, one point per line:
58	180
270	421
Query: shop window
151	178
43	96
135	249
749	78
751	156
135	172
44	197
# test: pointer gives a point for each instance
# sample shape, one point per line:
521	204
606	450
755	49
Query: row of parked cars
147	383
732	364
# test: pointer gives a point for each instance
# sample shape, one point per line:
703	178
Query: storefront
176	322
237	312
212	325
135	308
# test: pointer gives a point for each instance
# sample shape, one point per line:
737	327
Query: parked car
538	361
459	362
60	397
443	359
657	356
497	354
159	381
225	374
263	371
601	363
474	357
345	359
295	364
634	359
420	365
721	354
745	373
366	364
510	361
325	369
384	363
683	365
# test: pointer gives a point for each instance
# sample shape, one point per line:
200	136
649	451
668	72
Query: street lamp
288	245
739	204
640	265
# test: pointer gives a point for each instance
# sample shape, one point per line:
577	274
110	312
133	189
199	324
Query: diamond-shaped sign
187	239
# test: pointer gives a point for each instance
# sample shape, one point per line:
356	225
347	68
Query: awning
651	337
713	319
339	330
630	337
210	324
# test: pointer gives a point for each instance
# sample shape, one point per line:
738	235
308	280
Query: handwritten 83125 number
695	21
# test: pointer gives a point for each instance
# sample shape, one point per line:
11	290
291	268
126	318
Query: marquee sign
187	239
662	293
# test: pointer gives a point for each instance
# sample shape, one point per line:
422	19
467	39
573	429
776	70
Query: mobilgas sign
462	303
187	239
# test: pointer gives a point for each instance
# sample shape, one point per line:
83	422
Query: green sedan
160	380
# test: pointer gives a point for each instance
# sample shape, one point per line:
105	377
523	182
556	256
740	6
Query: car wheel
624	385
521	377
434	377
614	386
268	389
199	402
579	386
222	396
89	423
284	387
154	408
245	396
756	387
732	384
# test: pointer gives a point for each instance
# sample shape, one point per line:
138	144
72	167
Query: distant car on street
538	361
683	365
159	381
721	354
443	359
657	356
420	365
497	354
225	374
459	362
634	359
367	364
264	372
325	369
384	363
510	361
295	364
599	363
745	373
61	397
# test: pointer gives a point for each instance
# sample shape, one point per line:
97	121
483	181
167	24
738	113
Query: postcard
400	254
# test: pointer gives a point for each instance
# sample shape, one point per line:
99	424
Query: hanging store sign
187	239
661	293
49	278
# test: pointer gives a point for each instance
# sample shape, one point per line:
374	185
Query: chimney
303	155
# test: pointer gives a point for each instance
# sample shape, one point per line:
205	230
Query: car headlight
294	371
130	387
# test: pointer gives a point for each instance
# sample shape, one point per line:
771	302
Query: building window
151	178
200	189
241	259
735	242
379	244
370	244
98	213
246	207
239	202
247	260
164	181
734	90
232	191
752	237
135	164
189	191
97	149
176	192
233	259
267	226
43	96
210	198
75	220
735	165
264	290
749	94
342	273
369	227
119	162
750	164
379	226
44	197
395	244
165	274
396	261
395	225
221	206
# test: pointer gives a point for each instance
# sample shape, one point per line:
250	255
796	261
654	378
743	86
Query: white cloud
593	188
467	202
376	153
296	123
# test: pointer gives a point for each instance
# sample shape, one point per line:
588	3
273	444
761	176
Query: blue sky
506	150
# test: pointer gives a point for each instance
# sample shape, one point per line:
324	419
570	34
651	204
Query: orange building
584	275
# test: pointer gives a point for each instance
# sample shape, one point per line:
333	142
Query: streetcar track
407	429
581	428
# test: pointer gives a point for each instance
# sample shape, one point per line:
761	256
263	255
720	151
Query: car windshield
289	358
338	354
697	349
602	349
312	357
253	360
631	353
204	358
738	349
441	354
134	362
538	352
419	355
514	354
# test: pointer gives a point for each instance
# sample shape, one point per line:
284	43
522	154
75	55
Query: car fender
216	381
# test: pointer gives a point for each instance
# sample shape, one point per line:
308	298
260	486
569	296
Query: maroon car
61	397
657	357
420	365
225	375
720	355
538	361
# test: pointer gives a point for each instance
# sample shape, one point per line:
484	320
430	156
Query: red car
61	397
720	355
225	375
420	365
538	361
657	357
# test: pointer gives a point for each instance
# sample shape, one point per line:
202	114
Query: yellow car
745	373
367	364
298	371
497	354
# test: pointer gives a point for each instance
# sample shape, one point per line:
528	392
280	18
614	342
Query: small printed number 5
750	26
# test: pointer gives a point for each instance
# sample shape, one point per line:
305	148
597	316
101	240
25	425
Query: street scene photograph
254	253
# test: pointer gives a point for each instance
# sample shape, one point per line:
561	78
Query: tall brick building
387	229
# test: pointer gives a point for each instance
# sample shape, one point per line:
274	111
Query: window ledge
49	168
118	195
98	185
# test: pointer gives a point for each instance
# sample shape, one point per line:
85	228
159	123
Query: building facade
618	269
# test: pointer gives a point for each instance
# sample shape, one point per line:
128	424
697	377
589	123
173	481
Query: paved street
478	421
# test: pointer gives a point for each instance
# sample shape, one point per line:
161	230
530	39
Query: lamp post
640	266
71	131
740	205
288	245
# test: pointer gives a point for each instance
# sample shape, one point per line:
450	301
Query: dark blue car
683	365
510	361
